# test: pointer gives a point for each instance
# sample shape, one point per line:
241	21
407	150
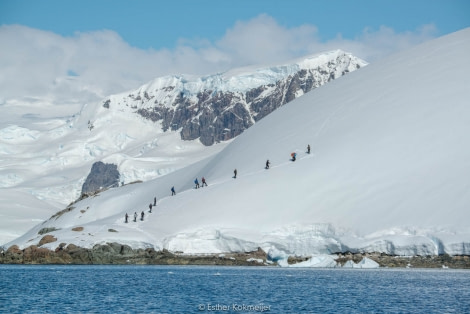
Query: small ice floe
170	272
364	263
445	267
321	261
368	263
349	264
217	274
278	256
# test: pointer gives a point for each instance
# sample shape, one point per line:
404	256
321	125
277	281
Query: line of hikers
293	155
142	214
203	180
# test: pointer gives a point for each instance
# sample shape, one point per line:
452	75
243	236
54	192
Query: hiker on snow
142	216
267	164
197	183
293	156
308	149
203	181
150	207
135	216
235	173
126	217
154	201
173	191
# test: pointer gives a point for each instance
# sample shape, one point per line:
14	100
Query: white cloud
372	45
39	64
262	39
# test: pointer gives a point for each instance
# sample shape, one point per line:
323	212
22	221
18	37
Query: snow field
387	173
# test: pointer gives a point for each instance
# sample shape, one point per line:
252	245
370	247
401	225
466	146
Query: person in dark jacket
150	208
197	183
142	216
135	216
308	149
173	191
154	201
204	181
235	173
126	218
267	164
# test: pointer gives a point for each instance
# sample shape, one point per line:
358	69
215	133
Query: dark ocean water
189	289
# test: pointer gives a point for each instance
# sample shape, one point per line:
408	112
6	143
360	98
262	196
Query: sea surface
202	289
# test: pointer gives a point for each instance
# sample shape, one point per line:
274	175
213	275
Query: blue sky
160	24
72	52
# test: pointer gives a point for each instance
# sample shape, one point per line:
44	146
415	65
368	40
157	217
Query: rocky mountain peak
221	106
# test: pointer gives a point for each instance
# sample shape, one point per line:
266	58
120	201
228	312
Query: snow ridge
237	80
219	107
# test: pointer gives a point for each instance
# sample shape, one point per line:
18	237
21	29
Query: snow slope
46	152
388	172
44	161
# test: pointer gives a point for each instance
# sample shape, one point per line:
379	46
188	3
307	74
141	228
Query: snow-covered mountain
45	158
388	172
219	107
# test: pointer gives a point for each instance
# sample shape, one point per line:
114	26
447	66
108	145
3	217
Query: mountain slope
219	107
45	157
388	173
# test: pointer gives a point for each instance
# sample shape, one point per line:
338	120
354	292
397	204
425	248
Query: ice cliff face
219	107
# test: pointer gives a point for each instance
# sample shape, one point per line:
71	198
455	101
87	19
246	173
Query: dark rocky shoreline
118	254
115	253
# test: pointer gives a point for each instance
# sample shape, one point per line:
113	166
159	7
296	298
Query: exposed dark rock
115	253
47	239
47	230
296	259
101	176
106	104
384	260
215	116
63	211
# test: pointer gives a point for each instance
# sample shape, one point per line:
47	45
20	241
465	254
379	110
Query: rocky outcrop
101	176
214	113
47	230
115	253
385	260
47	239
